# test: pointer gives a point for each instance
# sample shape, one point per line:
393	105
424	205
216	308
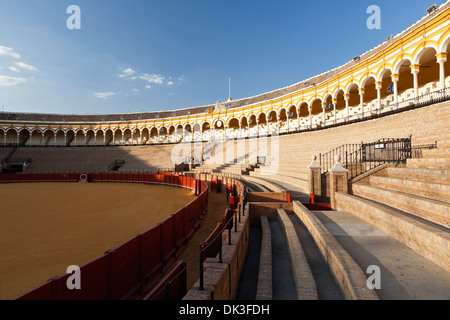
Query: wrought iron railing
360	158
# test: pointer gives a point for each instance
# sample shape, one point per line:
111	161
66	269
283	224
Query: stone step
264	286
440	152
431	190
305	284
429	163
435	211
430	175
303	183
427	239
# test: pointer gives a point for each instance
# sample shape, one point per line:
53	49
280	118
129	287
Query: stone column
334	104
415	69
314	180
441	59
361	101
378	86
324	106
395	78
347	107
310	116
338	180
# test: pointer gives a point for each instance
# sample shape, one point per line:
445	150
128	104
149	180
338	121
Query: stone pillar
310	116
415	69
334	104
378	86
441	59
314	180
347	107
324	107
361	101
338	180
395	78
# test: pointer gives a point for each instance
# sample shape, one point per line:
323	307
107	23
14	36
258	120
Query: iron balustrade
360	158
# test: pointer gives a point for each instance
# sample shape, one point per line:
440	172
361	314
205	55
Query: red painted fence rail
123	272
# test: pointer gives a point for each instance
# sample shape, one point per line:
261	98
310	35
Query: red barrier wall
177	288
121	272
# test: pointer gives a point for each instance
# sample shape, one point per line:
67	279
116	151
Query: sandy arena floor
45	227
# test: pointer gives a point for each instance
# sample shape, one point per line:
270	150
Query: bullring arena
336	187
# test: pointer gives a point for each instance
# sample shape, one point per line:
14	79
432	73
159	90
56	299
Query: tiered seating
148	158
411	203
69	159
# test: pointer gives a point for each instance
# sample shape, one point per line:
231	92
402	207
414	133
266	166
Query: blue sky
147	55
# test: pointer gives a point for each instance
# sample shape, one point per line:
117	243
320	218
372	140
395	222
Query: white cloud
6	81
103	95
6	51
152	78
25	66
136	90
170	83
147	86
128	74
12	68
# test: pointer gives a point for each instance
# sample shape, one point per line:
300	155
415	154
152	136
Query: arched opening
90	138
387	88
233	128
428	77
292	118
145	136
24	136
340	106
70	137
447	64
283	121
244	127
172	136
11	137
100	140
329	109
405	83
49	137
60	138
219	130
272	122
153	135
109	137
262	125
117	140
316	113
303	114
353	100
136	136
370	99
163	135
36	138
79	138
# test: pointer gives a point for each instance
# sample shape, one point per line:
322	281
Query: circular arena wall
118	273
